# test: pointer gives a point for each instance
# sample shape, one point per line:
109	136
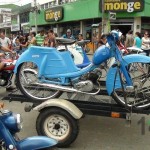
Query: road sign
112	16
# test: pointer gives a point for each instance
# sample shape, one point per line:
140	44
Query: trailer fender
73	110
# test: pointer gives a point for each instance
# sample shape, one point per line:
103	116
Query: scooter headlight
19	121
12	121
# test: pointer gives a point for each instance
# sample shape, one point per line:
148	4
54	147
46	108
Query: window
1	18
46	6
42	6
24	18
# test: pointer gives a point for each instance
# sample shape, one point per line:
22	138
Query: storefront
79	16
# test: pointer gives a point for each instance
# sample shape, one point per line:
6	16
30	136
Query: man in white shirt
2	65
5	41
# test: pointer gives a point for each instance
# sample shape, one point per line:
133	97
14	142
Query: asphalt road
96	133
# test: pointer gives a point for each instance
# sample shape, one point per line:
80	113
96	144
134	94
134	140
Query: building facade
92	17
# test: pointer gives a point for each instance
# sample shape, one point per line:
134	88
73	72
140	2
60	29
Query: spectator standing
2	65
30	36
39	38
24	43
129	39
5	41
52	40
102	40
16	46
146	43
46	41
122	39
85	46
11	38
14	36
32	39
68	35
80	37
137	40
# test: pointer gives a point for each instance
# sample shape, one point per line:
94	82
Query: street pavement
96	132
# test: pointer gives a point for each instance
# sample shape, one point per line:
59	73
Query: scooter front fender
36	143
112	71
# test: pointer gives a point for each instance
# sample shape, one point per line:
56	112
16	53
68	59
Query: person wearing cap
68	35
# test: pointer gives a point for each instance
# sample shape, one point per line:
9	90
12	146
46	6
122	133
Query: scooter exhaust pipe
65	89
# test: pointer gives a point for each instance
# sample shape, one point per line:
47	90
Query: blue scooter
10	124
56	73
77	51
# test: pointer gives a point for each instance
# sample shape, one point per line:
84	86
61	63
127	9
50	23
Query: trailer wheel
57	124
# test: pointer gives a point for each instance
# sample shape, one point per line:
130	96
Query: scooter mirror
28	107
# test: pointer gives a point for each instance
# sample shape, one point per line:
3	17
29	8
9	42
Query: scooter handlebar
83	42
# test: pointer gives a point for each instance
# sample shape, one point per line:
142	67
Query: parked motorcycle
56	73
10	124
7	72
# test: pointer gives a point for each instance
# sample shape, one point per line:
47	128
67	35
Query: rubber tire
113	95
49	149
74	128
18	84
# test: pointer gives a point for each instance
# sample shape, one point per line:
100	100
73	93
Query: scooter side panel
36	142
110	80
64	64
49	60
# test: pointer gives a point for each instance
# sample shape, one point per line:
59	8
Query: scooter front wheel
26	80
138	95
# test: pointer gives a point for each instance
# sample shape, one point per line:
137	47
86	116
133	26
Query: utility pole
35	15
103	16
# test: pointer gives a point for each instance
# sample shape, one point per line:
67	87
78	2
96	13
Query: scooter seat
64	41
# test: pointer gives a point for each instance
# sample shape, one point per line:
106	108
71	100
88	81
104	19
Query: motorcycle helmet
116	34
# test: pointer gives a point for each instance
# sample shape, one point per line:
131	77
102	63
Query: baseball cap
68	30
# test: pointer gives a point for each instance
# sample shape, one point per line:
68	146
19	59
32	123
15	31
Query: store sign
54	14
15	27
123	5
112	16
5	11
5	25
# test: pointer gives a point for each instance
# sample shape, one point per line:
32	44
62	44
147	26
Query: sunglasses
146	34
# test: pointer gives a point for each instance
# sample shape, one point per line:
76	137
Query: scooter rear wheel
138	96
25	81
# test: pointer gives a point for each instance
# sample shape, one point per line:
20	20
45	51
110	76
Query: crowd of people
139	41
130	40
18	43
